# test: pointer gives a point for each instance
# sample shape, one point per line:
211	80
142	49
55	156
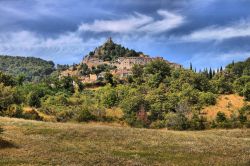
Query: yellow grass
26	142
225	103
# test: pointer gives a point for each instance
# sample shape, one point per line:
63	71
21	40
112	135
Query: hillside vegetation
38	143
33	69
153	96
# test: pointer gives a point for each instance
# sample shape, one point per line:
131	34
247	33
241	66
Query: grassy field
27	142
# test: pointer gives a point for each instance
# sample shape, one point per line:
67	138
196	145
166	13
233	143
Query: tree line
153	96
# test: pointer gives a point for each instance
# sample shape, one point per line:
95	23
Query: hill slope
32	68
111	51
228	104
39	143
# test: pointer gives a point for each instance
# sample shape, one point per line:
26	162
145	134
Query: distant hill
32	68
110	51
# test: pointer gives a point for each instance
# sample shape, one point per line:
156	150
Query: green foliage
246	91
221	117
207	98
137	74
107	96
84	69
110	51
108	77
6	97
189	94
132	106
158	67
176	121
7	80
34	69
240	83
197	122
154	96
14	111
240	68
85	115
158	104
223	83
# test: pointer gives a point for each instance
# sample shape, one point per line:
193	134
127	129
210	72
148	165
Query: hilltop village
111	57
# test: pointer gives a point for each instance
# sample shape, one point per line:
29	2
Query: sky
207	33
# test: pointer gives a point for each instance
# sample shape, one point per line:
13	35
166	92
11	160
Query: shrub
197	123
207	98
1	130
221	117
32	114
135	110
64	116
158	124
34	100
246	91
176	121
14	111
85	116
6	97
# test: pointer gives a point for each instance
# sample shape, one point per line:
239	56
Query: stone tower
109	40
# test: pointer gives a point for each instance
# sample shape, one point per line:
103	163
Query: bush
176	121
135	110
85	116
197	123
14	111
64	116
34	99
246	91
158	124
32	114
207	98
1	130
6	97
221	117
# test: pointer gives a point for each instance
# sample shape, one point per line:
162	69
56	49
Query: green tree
7	80
131	106
137	73
176	121
34	99
158	103
158	67
221	117
240	83
108	77
84	69
6	97
246	91
197	122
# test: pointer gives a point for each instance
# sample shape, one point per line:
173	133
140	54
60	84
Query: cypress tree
210	73
191	66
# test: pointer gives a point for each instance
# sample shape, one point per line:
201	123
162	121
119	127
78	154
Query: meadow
27	142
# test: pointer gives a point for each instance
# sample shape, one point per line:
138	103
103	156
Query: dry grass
225	103
43	143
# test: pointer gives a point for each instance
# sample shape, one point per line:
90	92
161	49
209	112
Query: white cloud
169	21
123	25
67	47
136	23
237	29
